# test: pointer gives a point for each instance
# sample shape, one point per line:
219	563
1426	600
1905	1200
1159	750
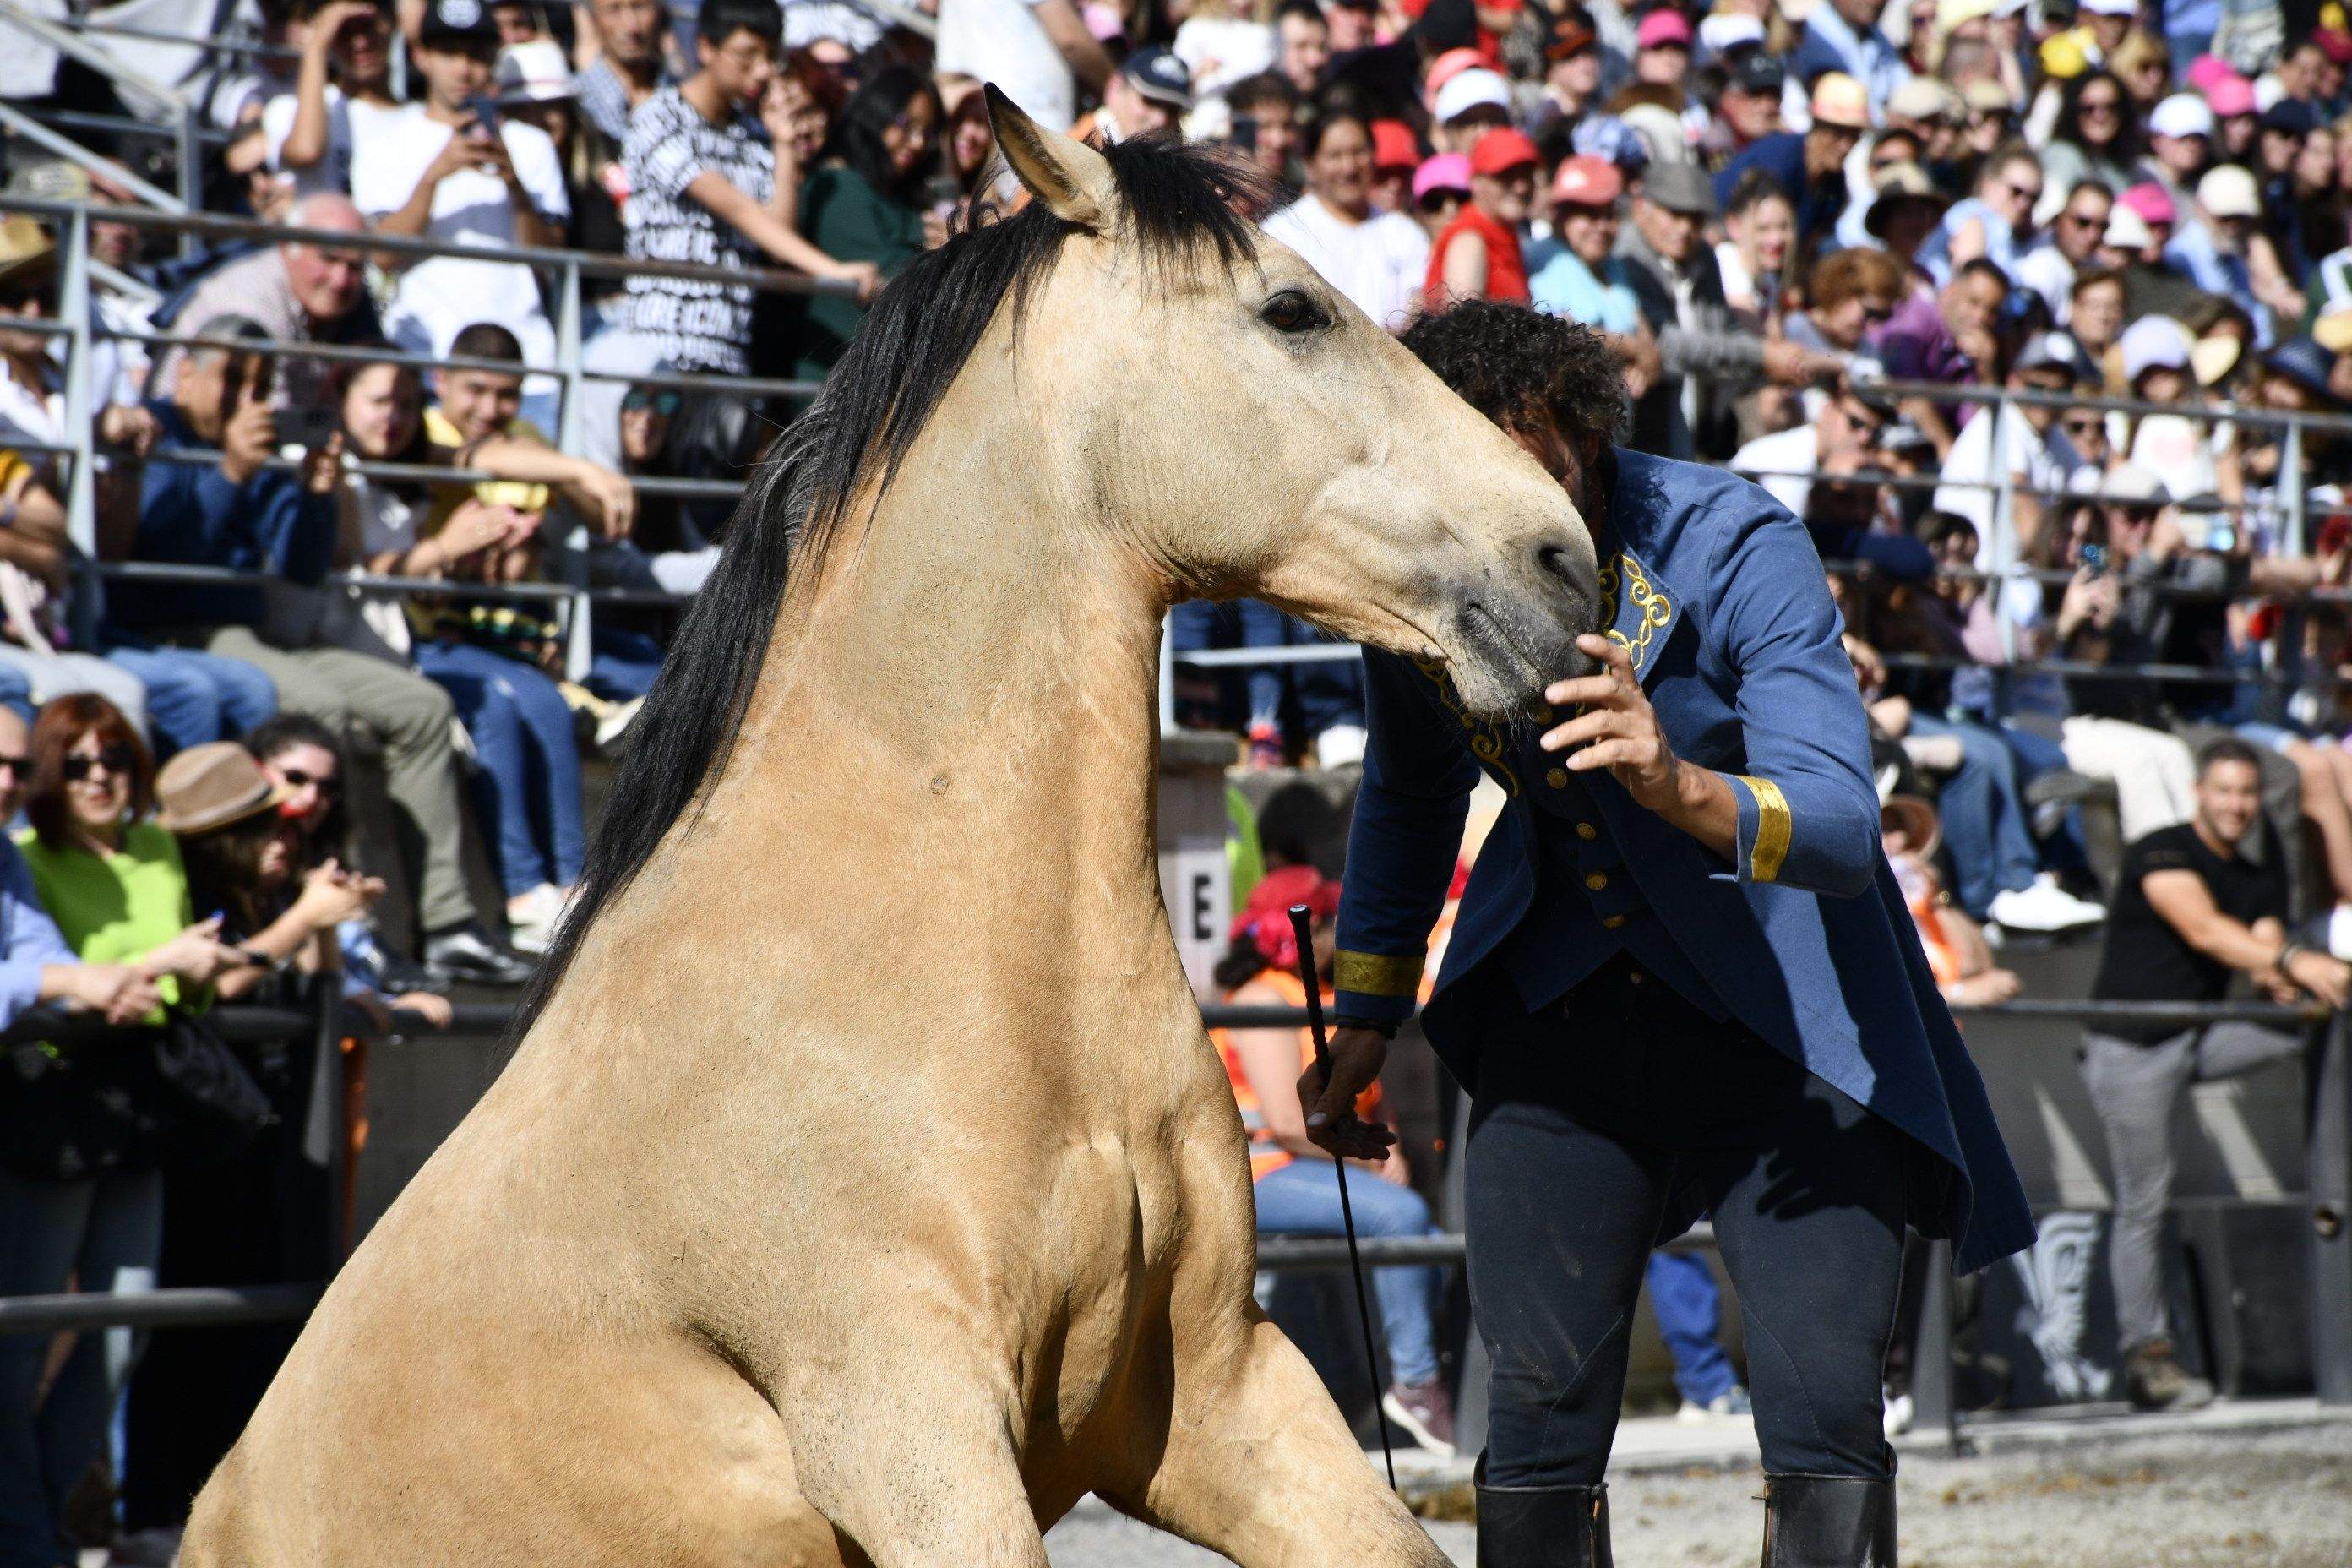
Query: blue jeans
106	1234
621	664
16	693
194	697
1689	1309
1984	816
528	781
1302	1199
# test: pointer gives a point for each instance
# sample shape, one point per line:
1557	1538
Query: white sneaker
1340	746
2043	907
1729	1407
532	919
2339	932
1898	1415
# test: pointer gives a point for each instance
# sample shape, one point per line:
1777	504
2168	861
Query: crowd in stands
1819	237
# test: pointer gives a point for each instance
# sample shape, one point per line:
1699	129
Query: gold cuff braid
1773	825
1375	974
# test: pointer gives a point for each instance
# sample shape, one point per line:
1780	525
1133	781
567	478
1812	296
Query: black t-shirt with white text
2145	960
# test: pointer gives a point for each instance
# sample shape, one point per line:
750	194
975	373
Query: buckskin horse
864	1187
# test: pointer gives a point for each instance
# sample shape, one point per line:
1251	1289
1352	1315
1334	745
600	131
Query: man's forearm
1702	805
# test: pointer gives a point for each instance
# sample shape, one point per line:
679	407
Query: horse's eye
1291	311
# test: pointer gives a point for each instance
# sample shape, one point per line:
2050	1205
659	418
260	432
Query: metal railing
2327	1163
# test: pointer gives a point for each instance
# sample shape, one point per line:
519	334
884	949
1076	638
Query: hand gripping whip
1302	926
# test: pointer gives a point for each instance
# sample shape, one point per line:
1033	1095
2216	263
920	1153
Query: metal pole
2328	1167
192	171
2289	484
1167	672
568	428
327	1036
1932	1403
2004	529
81	407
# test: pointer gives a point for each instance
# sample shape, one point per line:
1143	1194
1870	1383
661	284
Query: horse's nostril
1557	563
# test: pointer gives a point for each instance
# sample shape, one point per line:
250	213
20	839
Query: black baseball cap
2293	117
1160	76
459	23
1759	74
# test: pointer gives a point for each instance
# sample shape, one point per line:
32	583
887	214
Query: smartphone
2094	559
307	426
485	109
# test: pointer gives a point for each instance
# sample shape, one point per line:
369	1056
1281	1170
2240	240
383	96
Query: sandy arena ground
2196	1499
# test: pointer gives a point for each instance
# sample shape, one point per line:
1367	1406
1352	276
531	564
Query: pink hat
2148	202
1665	29
2205	70
1446	172
1445	68
2229	96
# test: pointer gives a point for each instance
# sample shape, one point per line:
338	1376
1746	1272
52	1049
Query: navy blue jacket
190	514
1782	156
1803	936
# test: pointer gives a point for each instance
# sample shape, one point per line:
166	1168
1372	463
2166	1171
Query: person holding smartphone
452	169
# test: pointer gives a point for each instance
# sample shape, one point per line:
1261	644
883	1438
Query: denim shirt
29	939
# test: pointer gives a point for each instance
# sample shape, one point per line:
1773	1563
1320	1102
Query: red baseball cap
1586	181
1502	149
1394	145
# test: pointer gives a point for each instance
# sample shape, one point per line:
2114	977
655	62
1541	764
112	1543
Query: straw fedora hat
27	251
212	786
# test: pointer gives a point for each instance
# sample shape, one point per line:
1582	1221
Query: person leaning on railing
80	1197
2192	912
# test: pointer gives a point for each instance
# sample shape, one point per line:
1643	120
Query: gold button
1557	778
1635	976
1587	832
1598	880
1613	923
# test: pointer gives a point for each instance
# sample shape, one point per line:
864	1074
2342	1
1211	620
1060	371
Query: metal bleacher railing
81	326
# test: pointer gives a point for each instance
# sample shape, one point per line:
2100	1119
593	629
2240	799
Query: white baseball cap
2182	114
2127	230
1476	87
2154	343
2134	485
2112	7
2227	191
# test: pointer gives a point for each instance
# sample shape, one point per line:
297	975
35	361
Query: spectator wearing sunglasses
674	546
1997	223
2021	442
304	764
1949	339
2069	246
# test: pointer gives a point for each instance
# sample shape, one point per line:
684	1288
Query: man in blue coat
1682	981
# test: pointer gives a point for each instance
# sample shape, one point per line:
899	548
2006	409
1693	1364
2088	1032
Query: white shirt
441	297
1380	263
1003	41
347	122
1220	50
1783	463
2046	271
2044	463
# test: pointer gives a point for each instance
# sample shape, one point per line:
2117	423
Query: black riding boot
1542	1527
1828	1521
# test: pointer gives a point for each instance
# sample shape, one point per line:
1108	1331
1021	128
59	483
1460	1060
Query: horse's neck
968	696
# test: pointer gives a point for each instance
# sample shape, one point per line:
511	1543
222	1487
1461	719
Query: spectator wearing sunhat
1932	113
1905	208
2141	229
2244	261
1578	275
1810	164
1478	256
1396	155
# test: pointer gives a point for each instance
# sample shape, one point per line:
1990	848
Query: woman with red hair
1296	1185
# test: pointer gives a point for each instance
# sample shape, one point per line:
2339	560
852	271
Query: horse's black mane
1179	206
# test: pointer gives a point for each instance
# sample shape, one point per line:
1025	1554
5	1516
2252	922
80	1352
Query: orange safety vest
1267	1156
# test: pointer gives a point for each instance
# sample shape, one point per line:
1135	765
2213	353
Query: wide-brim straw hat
27	250
212	786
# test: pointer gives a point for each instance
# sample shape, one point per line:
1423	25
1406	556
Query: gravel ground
2273	1500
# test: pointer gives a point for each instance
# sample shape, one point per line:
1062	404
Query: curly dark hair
1521	368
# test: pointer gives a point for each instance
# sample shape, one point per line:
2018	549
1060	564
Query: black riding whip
1302	926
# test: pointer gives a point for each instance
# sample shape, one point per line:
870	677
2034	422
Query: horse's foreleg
929	1482
1260	1467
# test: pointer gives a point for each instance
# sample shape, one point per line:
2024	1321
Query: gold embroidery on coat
1486	742
1656	607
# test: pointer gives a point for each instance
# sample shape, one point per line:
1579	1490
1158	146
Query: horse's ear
1071	178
